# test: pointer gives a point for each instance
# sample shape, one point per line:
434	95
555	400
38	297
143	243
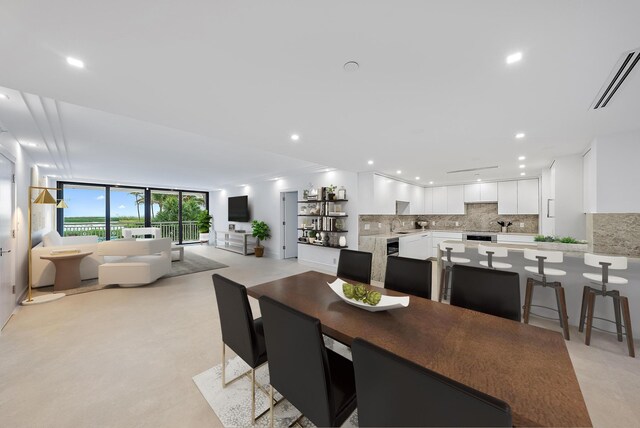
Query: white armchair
131	263
43	271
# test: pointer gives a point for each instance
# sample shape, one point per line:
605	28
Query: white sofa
155	232
43	271
131	263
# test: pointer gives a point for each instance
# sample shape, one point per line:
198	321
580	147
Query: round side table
67	269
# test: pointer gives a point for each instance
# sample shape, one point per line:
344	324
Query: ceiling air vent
618	75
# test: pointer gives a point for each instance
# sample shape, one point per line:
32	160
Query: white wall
265	205
23	164
570	218
616	173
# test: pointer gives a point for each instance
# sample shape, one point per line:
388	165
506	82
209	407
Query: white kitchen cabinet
472	192
428	200
488	192
508	197
417	199
415	246
440	200
438	237
528	197
455	199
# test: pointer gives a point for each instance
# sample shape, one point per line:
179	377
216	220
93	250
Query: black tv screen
239	208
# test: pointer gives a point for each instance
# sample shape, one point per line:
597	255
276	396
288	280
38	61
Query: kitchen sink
402	233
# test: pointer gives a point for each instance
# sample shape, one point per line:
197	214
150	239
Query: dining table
527	367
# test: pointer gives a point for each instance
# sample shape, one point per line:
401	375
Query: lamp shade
45	198
62	204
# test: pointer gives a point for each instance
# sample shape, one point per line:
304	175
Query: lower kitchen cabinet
416	246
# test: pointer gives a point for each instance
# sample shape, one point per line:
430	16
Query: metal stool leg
562	309
583	308
627	325
527	300
591	299
443	274
616	310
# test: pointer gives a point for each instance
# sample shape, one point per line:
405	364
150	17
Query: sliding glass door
86	214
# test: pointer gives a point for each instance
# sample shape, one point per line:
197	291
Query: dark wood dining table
526	366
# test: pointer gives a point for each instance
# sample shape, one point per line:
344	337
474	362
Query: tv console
235	241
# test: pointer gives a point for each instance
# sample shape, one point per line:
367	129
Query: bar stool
447	263
492	252
544	272
589	297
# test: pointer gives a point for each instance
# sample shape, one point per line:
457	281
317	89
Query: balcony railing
169	229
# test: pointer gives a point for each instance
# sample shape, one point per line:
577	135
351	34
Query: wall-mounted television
239	208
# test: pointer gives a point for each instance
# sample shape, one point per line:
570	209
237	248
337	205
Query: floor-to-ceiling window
96	209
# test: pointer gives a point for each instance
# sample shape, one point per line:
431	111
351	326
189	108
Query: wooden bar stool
544	272
447	263
492	252
589	297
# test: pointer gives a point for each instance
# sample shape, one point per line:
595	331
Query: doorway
289	224
7	241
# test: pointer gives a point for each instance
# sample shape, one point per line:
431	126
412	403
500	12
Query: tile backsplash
478	218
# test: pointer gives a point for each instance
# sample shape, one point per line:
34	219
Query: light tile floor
125	357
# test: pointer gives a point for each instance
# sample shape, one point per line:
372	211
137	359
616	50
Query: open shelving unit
322	220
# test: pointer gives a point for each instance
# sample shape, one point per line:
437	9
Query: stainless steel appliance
480	236
393	247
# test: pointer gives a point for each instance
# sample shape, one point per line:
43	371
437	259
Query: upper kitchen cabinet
385	192
439	200
528	197
428	200
518	197
455	199
480	192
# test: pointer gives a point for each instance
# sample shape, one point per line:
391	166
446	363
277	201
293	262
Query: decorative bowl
386	302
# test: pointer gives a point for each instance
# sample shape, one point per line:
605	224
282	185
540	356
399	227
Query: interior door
290	224
7	250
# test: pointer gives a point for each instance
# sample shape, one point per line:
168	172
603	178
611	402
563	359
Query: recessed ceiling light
28	144
522	166
521	157
295	137
479	179
523	173
370	162
44	165
4	96
514	57
431	182
398	172
276	178
417	178
520	135
75	62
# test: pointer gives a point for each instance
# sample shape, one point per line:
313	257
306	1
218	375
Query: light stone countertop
411	232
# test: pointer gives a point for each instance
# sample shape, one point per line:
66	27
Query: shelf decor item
384	304
331	192
260	231
342	193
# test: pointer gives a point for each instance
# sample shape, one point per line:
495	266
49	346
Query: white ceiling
433	92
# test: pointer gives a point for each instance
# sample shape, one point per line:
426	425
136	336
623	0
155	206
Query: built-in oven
393	247
483	237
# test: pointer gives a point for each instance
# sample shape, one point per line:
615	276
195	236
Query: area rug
193	263
232	404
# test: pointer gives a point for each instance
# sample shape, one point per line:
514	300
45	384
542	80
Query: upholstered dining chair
355	265
240	332
491	291
411	276
395	392
317	381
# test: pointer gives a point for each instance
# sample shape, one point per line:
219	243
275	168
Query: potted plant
204	225
312	236
331	192
260	230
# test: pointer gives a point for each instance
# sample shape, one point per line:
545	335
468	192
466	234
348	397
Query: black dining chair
395	392
317	381
240	332
355	265
411	276
491	291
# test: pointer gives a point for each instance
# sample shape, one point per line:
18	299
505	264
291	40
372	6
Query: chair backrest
456	247
497	251
595	260
392	391
551	256
298	364
355	265
236	319
411	276
490	291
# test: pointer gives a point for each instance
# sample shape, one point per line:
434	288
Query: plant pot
204	237
259	251
331	196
